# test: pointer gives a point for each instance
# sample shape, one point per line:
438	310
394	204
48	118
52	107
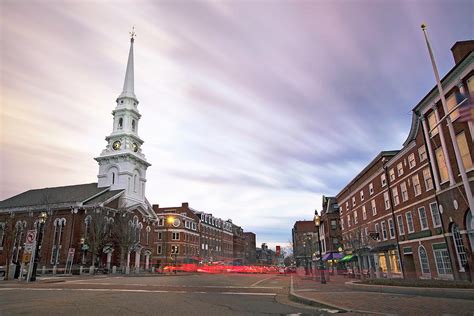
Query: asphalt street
182	294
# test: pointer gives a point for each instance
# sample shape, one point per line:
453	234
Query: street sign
71	252
30	236
26	257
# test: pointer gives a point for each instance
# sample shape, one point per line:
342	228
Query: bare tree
124	234
9	233
98	235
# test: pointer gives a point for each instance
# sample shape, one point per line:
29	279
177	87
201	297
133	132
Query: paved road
189	294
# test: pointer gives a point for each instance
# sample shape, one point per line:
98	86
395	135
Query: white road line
137	291
260	281
184	286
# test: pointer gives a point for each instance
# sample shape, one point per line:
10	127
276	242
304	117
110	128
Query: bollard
114	269
91	270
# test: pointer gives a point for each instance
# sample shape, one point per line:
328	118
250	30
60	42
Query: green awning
348	258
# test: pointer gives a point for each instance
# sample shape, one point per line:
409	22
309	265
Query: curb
324	305
466	294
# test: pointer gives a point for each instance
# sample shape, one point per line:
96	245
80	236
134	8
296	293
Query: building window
416	185
411	160
443	169
435	215
391	174
384	230
160	236
386	200
347	206
133	125
425	267
175	249
159	249
353	201
361	195
383	180
410	227
432	122
428	179
333	224
443	265
423	218
400	169
364	213
342	223
451	103
403	189
175	236
355	217
374	207
422	153
464	150
396	199
460	251
161	221
57	240
371	188
401	227
348	220
377	231
391	228
2	233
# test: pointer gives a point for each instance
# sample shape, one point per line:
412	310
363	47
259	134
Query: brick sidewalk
336	294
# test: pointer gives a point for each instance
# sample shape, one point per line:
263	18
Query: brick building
407	213
238	244
177	235
250	248
330	228
305	243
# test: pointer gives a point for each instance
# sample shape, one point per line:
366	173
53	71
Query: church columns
137	261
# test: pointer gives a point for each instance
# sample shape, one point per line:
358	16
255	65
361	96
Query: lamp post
317	223
42	220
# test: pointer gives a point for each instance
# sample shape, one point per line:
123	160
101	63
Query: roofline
382	154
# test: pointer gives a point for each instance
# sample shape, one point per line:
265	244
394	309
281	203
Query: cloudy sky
252	110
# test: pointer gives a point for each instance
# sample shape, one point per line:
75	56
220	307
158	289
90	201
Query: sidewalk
336	294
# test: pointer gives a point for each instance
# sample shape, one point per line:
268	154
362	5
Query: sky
251	110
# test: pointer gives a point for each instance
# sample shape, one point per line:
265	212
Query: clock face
116	145
135	147
176	222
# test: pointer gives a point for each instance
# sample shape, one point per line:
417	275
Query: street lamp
317	223
42	220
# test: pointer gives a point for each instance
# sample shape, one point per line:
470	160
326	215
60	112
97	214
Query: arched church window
58	224
113	177
87	223
120	123
135	183
133	125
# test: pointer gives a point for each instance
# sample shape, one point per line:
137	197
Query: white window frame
400	169
374	207
427	178
410	228
391	174
423	227
355	218
404	191
386	200
371	188
401	227
424	262
422	153
396	198
175	236
361	195
364	213
383	180
415	184
435	215
384	230
411	161
391	228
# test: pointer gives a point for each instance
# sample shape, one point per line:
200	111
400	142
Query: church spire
128	85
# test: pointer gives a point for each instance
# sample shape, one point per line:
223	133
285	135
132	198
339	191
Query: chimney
185	204
462	49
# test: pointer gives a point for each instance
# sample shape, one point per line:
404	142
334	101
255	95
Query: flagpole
457	152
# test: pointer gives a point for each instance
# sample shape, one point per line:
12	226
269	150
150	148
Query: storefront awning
348	258
332	256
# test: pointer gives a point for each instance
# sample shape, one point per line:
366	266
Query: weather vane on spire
132	34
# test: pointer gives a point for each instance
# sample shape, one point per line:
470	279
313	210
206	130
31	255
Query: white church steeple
122	165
